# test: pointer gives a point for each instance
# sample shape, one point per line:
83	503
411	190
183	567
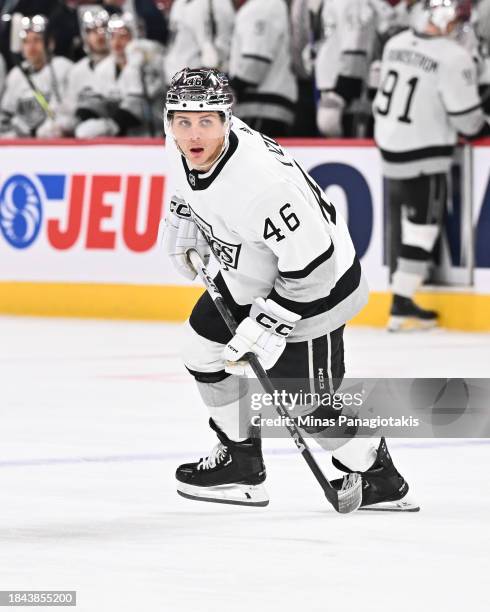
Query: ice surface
94	418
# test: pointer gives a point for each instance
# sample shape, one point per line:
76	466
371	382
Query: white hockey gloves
142	51
180	233
50	128
92	128
264	333
329	114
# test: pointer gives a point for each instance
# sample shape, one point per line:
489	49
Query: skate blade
402	505
237	494
405	324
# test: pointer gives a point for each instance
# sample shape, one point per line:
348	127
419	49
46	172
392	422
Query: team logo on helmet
20	211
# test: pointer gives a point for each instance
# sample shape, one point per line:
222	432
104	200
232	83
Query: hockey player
410	14
3	74
35	88
288	271
482	30
341	68
200	35
127	86
428	94
260	67
94	22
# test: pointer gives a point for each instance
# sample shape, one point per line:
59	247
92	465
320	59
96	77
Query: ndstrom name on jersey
341	421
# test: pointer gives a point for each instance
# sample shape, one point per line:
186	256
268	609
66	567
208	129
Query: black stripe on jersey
307	270
263	98
258	58
354	52
195	179
416	154
466	111
346	285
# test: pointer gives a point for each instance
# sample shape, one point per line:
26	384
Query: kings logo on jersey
95	211
226	253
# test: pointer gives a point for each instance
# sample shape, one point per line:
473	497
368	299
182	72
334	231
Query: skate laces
216	456
349	481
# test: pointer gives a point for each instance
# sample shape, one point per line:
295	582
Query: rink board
85	241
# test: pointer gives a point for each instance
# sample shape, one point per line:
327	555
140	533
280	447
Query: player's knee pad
221	391
200	355
418	235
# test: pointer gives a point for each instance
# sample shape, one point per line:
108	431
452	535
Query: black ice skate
232	474
383	487
405	315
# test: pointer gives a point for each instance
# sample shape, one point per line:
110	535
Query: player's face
119	41
97	41
200	136
33	49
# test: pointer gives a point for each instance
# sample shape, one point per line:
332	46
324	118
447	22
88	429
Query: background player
350	29
128	85
428	95
286	256
35	89
82	76
260	67
200	35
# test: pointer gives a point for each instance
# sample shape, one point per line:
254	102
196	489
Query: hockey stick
345	500
38	96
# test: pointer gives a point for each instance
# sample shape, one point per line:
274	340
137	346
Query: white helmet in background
125	21
37	24
442	13
93	18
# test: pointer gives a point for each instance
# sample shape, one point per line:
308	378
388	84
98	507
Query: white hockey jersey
114	88
200	35
261	54
20	112
274	232
428	94
3	75
80	90
349	28
412	16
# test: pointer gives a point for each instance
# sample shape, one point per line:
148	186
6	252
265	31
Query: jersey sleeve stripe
258	58
344	287
266	98
354	52
307	270
464	112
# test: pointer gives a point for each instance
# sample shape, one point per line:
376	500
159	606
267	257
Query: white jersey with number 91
428	93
